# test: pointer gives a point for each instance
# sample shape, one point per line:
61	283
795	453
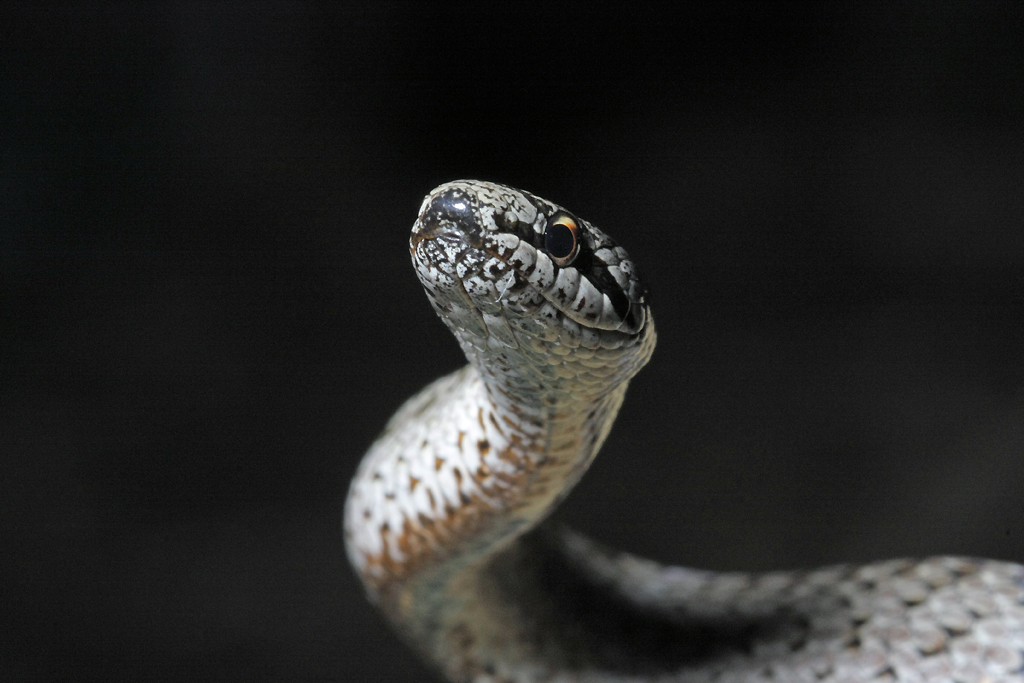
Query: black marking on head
597	272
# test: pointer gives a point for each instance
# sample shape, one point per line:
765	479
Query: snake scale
443	517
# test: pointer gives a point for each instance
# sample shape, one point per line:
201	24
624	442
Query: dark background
207	311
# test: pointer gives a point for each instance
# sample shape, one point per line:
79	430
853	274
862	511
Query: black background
207	310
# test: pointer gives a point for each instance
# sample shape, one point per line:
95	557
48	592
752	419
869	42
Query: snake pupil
561	239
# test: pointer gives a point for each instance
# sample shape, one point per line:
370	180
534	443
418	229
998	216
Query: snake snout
450	210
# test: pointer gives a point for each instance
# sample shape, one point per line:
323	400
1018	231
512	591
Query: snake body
443	517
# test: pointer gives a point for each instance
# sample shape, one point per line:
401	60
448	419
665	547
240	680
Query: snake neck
479	457
473	461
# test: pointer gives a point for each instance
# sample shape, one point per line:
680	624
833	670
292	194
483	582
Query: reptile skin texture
444	521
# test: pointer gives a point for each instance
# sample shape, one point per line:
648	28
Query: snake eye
562	238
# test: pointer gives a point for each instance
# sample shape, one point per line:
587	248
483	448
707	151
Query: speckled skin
440	517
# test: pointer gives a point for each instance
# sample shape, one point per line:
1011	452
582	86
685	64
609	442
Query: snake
445	522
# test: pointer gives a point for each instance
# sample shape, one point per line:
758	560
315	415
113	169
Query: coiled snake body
553	320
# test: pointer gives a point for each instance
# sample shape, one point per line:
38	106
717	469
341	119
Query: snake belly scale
443	521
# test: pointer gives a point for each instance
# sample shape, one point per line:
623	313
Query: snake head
504	267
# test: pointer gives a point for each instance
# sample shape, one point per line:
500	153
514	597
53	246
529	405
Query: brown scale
435	539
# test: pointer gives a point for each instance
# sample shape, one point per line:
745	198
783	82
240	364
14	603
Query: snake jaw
480	245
